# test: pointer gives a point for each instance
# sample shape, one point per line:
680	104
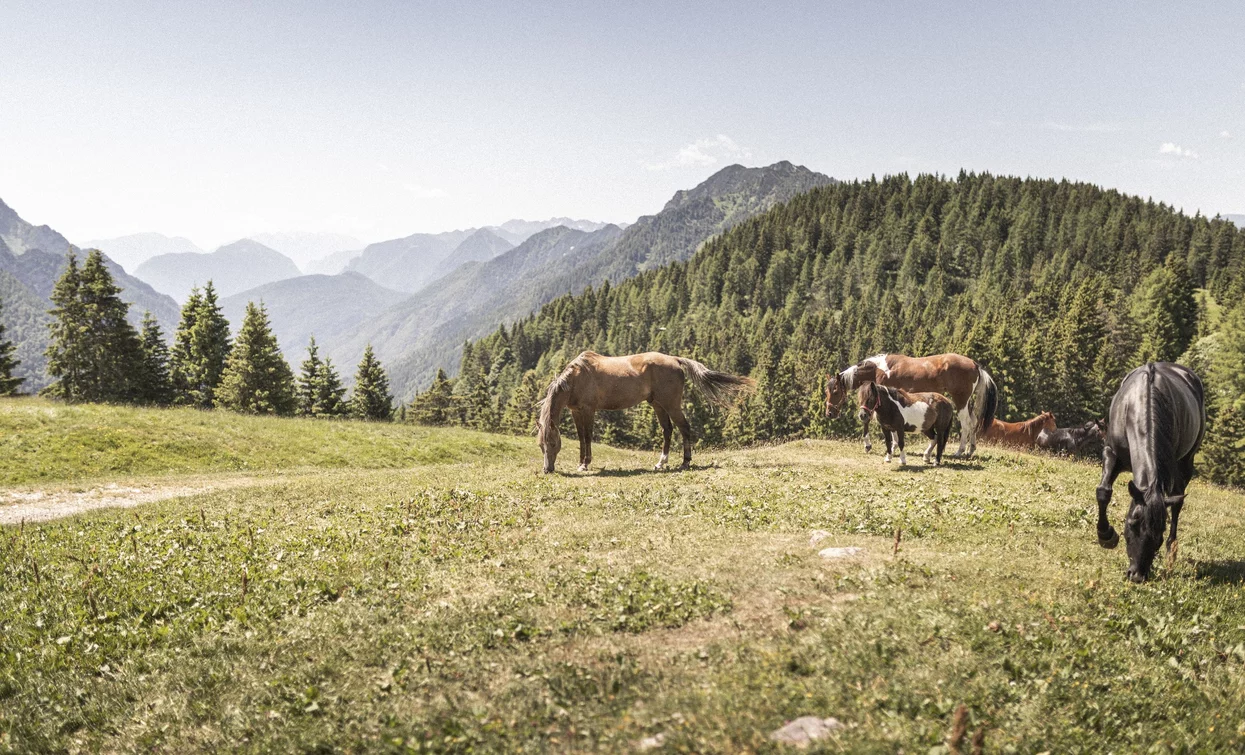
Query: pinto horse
592	383
898	411
1019	434
1157	421
970	387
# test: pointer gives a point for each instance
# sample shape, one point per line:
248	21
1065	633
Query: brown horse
899	411
592	383
1019	434
970	387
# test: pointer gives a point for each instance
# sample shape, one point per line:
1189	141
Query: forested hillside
1057	287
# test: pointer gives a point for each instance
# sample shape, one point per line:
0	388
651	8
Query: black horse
1157	420
1073	441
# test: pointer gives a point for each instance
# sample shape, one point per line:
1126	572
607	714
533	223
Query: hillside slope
232	268
329	307
31	259
427	331
1059	288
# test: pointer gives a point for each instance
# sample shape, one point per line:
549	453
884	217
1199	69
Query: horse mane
1161	430
546	423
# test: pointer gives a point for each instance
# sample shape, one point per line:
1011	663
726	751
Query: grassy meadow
417	590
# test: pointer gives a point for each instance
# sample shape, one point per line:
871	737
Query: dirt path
39	505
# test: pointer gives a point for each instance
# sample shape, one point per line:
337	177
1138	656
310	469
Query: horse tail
986	394
718	388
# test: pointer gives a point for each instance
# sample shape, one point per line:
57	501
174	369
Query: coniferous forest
1058	288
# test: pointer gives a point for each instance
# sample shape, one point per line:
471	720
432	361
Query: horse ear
1173	500
1135	491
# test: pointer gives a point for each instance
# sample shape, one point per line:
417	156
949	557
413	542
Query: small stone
816	536
651	743
844	552
804	730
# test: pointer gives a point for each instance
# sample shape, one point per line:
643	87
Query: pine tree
94	352
257	379
200	349
371	399
1165	310
330	392
1223	453
308	389
154	384
435	405
519	416
8	383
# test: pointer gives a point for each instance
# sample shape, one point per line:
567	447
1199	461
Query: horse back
954	374
1179	413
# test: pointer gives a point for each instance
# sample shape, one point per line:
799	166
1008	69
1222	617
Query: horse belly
914	417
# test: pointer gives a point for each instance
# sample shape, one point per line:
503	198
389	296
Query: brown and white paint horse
592	383
970	387
898	411
1019	434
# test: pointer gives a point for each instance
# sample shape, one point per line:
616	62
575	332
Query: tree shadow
1224	572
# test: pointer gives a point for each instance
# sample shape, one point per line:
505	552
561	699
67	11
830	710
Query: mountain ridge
232	268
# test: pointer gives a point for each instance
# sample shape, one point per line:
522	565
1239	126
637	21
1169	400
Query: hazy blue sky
217	119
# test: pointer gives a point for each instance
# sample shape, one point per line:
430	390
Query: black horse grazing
899	411
1070	440
1156	425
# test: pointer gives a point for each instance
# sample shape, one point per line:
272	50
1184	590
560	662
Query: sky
218	119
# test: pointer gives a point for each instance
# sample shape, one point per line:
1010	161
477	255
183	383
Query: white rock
651	743
804	730
844	552
816	536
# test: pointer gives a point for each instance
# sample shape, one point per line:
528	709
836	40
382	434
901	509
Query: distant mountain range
1239	220
329	307
232	268
135	249
426	331
306	248
31	259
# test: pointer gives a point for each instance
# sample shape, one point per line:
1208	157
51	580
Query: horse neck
551	409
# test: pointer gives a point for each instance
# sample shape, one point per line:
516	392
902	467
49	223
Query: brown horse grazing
970	387
592	383
898	411
1019	434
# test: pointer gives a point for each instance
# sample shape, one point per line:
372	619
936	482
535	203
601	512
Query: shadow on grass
920	466
638	471
1222	572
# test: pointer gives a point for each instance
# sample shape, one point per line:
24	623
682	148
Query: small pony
898	411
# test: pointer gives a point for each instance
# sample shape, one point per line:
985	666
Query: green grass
44	441
478	606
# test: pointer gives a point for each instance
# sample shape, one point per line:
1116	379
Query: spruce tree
1165	310
371	399
1223	452
8	383
308	390
154	384
257	379
200	349
519	416
435	405
319	391
94	354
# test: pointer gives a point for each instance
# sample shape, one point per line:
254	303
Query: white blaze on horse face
880	362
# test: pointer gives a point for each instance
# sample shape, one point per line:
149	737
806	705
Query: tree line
1058	288
96	355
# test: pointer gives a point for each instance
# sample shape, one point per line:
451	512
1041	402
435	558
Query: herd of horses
1153	430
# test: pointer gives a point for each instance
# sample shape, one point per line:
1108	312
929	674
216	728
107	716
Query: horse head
1144	527
1047	421
836	394
548	435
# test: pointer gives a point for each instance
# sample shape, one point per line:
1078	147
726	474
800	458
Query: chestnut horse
970	387
592	383
1019	434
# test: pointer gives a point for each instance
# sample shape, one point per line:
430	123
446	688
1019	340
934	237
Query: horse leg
667	428
903	459
581	423
886	436
1107	536
685	430
1186	474
868	441
965	424
589	419
942	442
933	440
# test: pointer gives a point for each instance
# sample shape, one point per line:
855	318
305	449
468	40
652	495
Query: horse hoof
583	467
1110	542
